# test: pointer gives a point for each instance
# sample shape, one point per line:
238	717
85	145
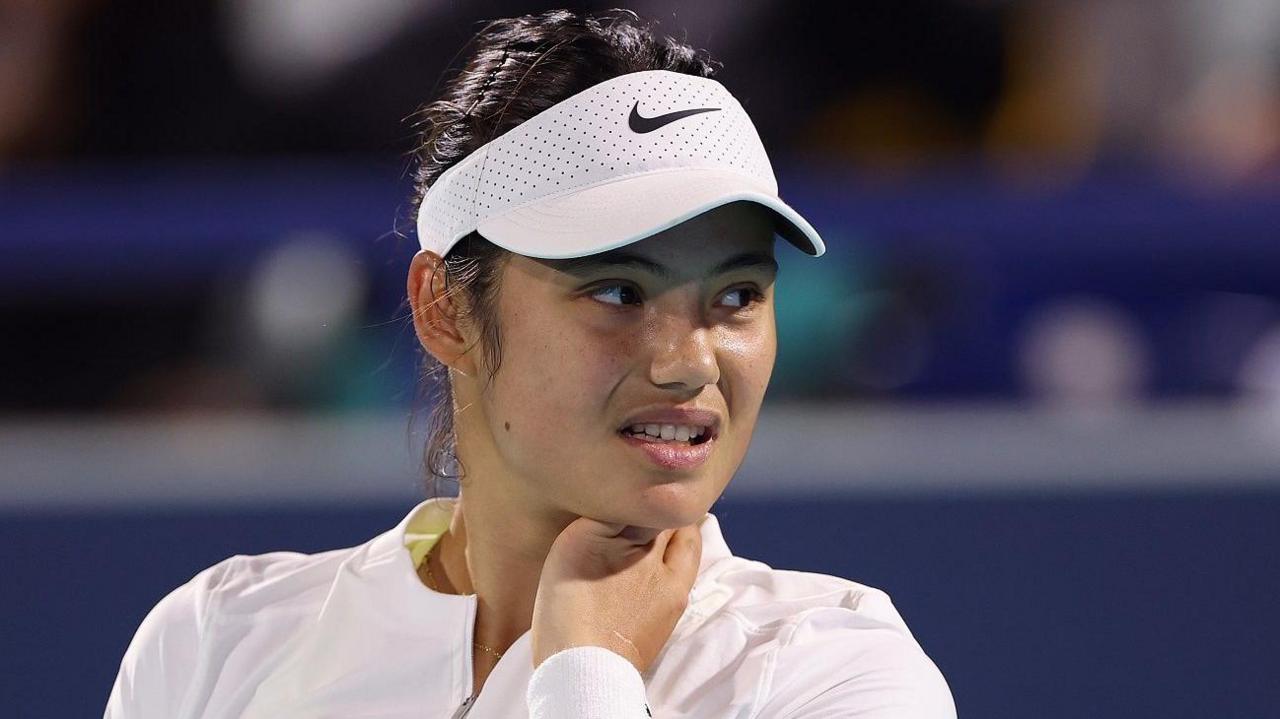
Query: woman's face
594	346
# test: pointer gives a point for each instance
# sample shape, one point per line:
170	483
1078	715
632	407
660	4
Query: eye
616	294
743	297
622	295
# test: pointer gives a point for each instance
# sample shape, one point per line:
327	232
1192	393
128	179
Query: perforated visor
623	211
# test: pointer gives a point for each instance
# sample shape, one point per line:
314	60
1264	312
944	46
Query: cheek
552	389
747	359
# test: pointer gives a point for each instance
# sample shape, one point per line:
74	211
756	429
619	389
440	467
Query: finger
587	527
639	536
609	538
661	539
684	553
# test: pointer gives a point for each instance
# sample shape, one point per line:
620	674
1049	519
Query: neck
500	532
496	552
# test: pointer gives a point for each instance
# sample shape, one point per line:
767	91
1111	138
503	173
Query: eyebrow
615	259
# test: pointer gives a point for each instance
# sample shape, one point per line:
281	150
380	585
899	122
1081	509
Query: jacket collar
432	516
378	607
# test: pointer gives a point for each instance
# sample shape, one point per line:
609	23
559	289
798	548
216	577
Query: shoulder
158	662
243	584
787	604
248	583
163	659
821	645
855	659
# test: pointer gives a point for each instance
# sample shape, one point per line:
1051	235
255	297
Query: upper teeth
679	432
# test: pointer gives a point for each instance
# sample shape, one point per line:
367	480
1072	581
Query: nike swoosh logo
641	125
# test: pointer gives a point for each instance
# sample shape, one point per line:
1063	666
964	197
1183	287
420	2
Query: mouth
675	434
671	447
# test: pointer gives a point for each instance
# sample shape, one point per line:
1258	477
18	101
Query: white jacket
354	633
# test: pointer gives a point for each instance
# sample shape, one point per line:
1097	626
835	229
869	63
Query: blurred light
1083	353
1225	146
291	46
1259	378
302	296
1259	386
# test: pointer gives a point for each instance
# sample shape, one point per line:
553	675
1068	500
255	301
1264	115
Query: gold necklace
431	581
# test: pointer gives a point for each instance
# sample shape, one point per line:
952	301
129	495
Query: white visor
611	165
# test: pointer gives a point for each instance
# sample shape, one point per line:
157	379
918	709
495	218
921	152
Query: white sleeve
586	682
159	665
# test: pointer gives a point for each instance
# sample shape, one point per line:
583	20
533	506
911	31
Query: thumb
587	527
684	553
624	535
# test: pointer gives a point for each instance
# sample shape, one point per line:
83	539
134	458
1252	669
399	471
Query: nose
686	360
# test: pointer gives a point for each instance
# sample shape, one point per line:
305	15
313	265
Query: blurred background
1032	390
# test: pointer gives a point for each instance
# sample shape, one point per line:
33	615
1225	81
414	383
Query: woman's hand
614	586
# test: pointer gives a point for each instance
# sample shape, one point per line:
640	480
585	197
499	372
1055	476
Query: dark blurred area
266	78
1011	189
1032	389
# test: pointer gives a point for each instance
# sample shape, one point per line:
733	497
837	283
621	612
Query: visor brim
617	213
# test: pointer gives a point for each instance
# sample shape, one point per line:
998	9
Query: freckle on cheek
506	426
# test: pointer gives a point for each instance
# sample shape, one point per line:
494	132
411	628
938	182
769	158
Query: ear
435	316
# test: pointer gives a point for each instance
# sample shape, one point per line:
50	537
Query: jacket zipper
464	708
466	652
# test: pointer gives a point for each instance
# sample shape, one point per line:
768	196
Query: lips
654	432
672	454
673	438
655	418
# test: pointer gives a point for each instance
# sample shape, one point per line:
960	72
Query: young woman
595	292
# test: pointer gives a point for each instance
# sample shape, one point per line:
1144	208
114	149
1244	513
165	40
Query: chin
671	505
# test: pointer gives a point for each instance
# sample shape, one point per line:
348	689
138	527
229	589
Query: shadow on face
693	250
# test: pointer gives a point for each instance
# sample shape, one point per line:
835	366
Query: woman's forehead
730	237
697	260
664	261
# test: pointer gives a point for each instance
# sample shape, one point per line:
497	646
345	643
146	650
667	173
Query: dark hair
519	67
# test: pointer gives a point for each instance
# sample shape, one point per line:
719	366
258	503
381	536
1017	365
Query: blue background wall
1057	606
